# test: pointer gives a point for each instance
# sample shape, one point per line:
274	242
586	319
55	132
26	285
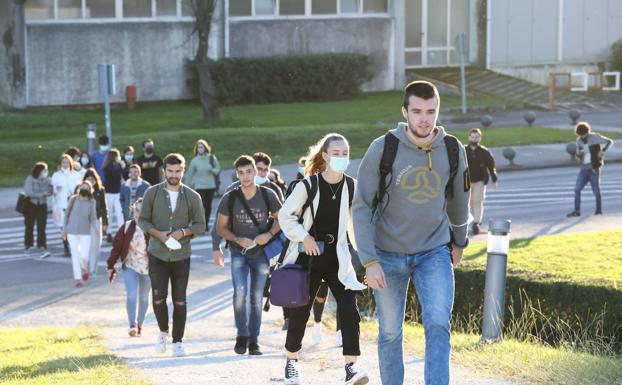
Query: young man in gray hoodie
417	230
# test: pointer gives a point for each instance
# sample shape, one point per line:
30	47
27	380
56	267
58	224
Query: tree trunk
207	92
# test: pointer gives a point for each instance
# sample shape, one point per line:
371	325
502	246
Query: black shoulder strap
350	184
453	154
244	203
391	143
231	201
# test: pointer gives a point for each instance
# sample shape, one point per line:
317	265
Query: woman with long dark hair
324	238
37	187
101	209
113	177
201	175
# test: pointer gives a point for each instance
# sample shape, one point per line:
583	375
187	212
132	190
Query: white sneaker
338	339
317	332
355	375
45	254
178	350
292	372
160	345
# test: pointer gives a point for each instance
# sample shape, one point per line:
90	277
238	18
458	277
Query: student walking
201	175
130	246
101	208
327	192
64	182
113	172
481	169
37	187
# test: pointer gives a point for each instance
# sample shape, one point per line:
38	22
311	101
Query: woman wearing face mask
275	177
64	182
80	219
327	220
130	246
37	187
201	175
128	160
101	209
85	161
113	177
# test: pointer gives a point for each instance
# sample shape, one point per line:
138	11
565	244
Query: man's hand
311	247
176	235
245	242
219	258
456	256
161	235
262	239
375	277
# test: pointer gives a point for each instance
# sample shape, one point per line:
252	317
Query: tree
204	12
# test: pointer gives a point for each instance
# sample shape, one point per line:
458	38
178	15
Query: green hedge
559	303
287	79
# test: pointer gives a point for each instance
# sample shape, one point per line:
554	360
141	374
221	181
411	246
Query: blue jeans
137	288
433	276
241	267
587	175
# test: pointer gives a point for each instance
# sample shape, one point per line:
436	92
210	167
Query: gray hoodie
417	216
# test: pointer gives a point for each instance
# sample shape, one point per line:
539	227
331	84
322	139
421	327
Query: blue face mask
260	179
339	164
104	148
129	157
84	160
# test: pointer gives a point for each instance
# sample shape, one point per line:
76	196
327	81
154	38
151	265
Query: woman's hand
311	248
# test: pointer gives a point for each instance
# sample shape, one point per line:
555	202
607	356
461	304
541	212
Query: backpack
389	153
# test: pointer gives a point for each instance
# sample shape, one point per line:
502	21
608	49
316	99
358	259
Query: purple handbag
289	286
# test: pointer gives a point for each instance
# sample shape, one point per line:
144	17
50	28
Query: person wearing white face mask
64	182
37	187
323	234
127	161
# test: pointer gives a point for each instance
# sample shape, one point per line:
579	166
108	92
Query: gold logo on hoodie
425	183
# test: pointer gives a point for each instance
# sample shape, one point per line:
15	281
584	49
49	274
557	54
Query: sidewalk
527	158
209	338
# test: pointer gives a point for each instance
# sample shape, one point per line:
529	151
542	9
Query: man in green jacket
172	214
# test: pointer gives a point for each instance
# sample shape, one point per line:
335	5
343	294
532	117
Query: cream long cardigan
296	233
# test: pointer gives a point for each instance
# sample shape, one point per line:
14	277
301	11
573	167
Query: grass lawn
591	258
59	355
526	363
283	130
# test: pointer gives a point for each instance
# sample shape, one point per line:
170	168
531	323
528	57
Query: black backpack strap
453	154
391	143
350	184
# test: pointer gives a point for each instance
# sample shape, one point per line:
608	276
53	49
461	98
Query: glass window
166	7
39	9
187	10
99	8
136	8
240	7
69	9
437	58
292	7
324	7
414	33
437	23
349	6
264	7
375	6
459	21
413	58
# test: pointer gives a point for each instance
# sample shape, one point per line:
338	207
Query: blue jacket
126	196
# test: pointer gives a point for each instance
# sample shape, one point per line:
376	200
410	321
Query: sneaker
292	372
475	228
109	238
139	330
240	345
160	345
598	212
254	349
355	375
79	284
133	332
85	276
338	339
285	324
573	214
27	251
178	349
45	254
317	332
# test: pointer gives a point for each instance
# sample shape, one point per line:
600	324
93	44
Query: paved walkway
209	339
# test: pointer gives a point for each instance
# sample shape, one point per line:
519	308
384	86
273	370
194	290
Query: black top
327	220
114	177
481	164
150	168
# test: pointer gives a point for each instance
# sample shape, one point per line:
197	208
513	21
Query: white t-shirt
587	156
173	196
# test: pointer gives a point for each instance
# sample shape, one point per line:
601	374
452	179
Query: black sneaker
355	375
254	349
292	372
109	238
285	324
573	214
598	212
240	345
475	228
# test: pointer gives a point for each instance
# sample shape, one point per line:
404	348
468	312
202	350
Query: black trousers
325	267
207	195
36	214
318	307
160	272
